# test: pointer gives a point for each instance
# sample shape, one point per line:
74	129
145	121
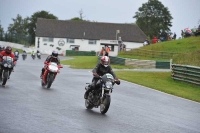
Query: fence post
171	64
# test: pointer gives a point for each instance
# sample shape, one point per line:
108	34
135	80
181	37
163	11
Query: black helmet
54	54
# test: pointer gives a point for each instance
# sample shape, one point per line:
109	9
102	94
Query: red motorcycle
50	73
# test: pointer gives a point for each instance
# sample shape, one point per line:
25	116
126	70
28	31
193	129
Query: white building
85	36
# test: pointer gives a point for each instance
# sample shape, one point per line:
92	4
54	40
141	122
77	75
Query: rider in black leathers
51	58
101	69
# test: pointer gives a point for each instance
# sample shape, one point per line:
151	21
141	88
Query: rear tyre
104	106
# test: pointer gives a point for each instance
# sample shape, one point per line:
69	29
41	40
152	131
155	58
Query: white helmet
105	61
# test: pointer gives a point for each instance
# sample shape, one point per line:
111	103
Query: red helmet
8	50
105	61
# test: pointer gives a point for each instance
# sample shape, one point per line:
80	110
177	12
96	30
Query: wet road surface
26	107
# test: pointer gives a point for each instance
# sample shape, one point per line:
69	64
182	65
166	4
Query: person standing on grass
102	52
174	37
107	51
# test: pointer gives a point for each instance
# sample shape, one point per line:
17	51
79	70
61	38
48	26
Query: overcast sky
185	13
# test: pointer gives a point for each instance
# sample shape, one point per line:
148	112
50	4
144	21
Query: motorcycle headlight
5	65
9	65
109	85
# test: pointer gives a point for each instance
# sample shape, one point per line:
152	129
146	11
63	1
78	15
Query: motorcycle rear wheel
104	106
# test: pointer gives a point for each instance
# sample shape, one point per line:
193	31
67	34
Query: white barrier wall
18	46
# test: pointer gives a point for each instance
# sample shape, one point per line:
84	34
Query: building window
50	39
47	39
70	40
92	41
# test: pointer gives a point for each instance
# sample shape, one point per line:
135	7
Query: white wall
18	46
83	43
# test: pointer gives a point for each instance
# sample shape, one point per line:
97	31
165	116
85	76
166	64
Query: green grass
162	81
186	45
188	49
20	50
88	62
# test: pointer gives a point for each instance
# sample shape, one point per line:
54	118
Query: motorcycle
7	67
49	74
38	55
33	56
101	96
24	55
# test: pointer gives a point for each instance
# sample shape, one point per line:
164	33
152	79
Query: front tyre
88	105
50	78
5	77
104	106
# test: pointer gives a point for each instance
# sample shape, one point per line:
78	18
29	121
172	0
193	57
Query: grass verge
88	62
162	81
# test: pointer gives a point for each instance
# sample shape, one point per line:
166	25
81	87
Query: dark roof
93	30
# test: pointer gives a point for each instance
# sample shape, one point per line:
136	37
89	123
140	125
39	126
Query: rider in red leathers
51	58
7	52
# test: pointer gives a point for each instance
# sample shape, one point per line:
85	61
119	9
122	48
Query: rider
16	52
51	58
100	69
24	52
38	53
7	52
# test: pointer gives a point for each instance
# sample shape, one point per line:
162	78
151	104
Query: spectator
107	50
102	52
182	34
174	37
155	40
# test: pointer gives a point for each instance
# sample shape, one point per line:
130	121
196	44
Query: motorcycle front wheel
5	77
87	104
50	78
104	106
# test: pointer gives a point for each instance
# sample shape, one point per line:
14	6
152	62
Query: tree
79	18
18	30
33	21
19	26
153	18
1	33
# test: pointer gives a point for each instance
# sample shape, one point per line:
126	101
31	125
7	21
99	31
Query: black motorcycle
24	55
6	69
101	96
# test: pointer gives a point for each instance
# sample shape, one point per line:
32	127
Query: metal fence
186	73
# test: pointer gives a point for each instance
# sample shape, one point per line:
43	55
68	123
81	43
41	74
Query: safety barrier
186	73
139	63
80	53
